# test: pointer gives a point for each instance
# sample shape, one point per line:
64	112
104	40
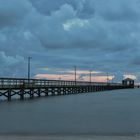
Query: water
101	113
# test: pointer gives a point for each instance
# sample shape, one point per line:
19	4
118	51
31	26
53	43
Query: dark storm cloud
83	8
92	34
12	12
125	10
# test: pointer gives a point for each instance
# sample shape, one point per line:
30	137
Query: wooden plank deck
10	87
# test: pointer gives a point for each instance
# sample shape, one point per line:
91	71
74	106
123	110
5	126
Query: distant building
128	82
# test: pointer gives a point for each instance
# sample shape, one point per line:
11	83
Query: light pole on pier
75	73
29	67
107	78
90	76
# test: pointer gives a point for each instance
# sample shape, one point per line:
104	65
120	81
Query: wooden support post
46	92
22	94
39	92
9	95
95	88
31	93
78	89
87	89
64	91
52	91
92	89
98	88
59	90
72	90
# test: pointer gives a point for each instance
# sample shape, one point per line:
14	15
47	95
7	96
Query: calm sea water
103	113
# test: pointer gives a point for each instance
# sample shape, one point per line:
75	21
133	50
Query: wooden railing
28	83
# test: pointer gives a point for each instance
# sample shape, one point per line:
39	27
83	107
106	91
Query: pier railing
32	83
24	88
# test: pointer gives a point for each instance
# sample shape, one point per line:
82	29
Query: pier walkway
30	88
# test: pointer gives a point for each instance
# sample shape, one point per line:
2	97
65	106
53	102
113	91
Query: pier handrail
19	82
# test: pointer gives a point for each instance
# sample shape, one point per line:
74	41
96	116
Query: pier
30	88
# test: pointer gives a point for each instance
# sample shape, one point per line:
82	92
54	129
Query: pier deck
22	88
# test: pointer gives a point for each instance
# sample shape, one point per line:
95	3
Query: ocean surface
109	113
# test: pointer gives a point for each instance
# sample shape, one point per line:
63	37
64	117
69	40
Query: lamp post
29	67
75	69
107	78
90	76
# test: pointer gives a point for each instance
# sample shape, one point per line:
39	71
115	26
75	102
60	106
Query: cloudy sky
98	35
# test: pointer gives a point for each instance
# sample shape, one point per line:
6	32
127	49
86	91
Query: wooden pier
30	88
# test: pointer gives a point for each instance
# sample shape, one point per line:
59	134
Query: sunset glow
71	77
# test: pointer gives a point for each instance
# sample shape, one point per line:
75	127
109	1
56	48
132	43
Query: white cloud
68	25
10	60
134	77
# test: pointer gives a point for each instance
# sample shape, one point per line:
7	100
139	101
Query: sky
98	35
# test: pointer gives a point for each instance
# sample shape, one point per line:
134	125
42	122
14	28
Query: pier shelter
128	82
